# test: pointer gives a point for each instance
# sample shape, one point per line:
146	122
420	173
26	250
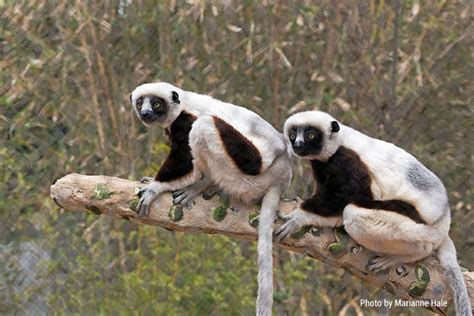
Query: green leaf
280	296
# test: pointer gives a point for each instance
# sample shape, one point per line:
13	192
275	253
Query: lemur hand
148	195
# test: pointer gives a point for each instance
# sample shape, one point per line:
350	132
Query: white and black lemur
387	201
218	143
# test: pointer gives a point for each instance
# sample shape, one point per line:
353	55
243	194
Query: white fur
265	259
391	233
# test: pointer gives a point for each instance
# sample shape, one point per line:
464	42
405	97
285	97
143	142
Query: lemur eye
155	103
311	136
292	136
139	103
156	106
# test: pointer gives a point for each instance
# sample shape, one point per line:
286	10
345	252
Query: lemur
387	201
217	143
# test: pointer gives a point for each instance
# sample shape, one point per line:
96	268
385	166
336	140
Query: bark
117	197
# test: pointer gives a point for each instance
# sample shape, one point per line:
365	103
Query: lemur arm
177	171
177	164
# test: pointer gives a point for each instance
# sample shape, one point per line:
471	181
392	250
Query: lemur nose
298	144
148	116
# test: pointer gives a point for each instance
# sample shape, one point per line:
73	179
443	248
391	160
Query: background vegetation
398	70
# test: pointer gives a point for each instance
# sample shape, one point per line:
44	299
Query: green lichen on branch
418	287
254	219
175	213
337	249
219	213
101	192
300	233
132	204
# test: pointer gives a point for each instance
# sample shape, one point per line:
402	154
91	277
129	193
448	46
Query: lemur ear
130	99
335	127
175	97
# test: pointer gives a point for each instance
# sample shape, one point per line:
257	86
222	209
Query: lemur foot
183	196
147	195
146	180
210	192
187	194
380	264
294	221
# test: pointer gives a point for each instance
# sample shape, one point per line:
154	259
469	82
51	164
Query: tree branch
117	197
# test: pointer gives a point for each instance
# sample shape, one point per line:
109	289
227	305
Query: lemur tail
447	257
265	260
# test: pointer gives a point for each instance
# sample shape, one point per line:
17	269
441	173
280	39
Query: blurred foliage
403	73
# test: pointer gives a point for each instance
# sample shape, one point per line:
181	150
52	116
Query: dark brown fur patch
179	161
245	155
344	179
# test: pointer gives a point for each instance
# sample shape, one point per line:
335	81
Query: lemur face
156	103
151	108
312	135
306	140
